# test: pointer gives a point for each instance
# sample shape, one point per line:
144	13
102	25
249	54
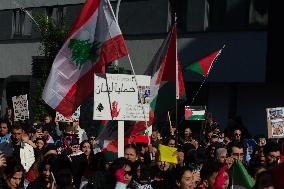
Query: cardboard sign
194	113
275	122
75	116
119	97
21	108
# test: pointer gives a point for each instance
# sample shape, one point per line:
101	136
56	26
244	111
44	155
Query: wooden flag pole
120	128
120	138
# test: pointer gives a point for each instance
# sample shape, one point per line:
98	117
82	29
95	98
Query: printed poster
75	116
21	108
275	122
119	97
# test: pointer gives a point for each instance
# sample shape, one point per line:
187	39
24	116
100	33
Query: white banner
21	108
119	100
75	116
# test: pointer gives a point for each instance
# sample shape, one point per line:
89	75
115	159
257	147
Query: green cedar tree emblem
83	50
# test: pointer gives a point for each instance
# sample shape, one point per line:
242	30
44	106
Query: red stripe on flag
84	87
168	67
181	91
86	13
206	62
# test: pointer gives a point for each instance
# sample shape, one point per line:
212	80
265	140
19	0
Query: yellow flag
167	154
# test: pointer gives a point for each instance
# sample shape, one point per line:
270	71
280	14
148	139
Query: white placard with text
21	107
118	97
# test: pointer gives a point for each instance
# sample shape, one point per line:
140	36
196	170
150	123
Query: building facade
238	85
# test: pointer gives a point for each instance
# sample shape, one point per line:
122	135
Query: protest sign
75	116
21	108
117	97
275	122
167	154
194	113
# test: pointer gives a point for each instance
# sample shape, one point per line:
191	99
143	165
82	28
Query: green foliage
40	107
53	36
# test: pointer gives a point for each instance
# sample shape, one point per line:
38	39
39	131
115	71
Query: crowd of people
44	155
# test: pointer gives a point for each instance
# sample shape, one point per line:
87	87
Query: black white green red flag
166	76
204	64
94	41
166	83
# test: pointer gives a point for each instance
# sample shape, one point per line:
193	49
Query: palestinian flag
194	113
94	41
166	77
107	138
166	86
240	178
203	65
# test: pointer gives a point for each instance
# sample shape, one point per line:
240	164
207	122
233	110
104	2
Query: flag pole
205	78
132	68
120	129
177	81
143	109
169	118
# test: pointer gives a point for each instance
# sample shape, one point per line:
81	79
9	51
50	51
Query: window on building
21	23
222	15
57	14
258	15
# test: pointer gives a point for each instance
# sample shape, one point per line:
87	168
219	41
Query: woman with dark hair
81	163
98	176
47	170
162	174
185	178
13	175
120	174
141	175
86	148
9	117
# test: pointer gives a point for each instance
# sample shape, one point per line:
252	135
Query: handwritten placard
21	108
118	97
75	116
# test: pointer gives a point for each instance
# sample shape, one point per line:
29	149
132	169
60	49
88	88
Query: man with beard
272	154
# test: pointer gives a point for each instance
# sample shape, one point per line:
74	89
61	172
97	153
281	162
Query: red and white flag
94	41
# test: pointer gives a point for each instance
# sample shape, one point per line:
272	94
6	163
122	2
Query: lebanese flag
204	64
94	41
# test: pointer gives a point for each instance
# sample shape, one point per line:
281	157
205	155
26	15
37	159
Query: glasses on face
274	157
238	155
128	173
237	134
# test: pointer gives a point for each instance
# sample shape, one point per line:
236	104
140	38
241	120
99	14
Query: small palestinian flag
204	64
194	113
